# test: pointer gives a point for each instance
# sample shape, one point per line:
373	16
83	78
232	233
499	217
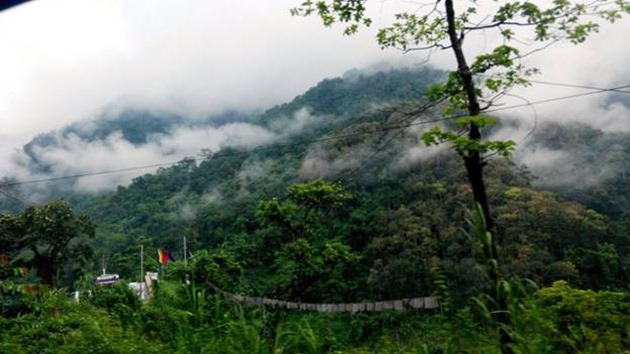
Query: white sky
67	60
64	60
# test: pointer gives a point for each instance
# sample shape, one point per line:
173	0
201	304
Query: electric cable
307	142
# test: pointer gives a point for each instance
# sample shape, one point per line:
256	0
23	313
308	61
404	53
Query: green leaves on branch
501	56
563	19
464	145
411	29
451	90
481	121
351	12
500	81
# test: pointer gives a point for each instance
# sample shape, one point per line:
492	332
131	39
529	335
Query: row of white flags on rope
417	303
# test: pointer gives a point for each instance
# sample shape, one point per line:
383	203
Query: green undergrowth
190	319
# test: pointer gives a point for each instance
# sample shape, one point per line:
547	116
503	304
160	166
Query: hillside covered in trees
347	205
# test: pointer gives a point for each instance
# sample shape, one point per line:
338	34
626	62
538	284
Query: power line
27	204
52	179
528	104
578	86
336	137
561	98
586	87
227	154
365	162
382	147
223	155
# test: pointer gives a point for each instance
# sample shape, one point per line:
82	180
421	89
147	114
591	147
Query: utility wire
223	155
27	204
89	174
352	173
561	98
366	161
336	137
578	86
598	90
230	153
586	87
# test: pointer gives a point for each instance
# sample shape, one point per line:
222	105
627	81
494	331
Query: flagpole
141	264
185	252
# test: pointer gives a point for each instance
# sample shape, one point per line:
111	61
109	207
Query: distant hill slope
355	92
583	163
358	91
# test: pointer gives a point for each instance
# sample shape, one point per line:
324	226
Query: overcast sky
64	60
67	60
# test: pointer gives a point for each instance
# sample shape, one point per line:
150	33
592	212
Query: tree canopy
46	238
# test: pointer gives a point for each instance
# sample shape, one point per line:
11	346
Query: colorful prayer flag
164	256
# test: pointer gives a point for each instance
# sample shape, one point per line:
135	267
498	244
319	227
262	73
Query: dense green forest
352	208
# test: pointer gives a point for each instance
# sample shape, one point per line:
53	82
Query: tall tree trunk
473	161
474	167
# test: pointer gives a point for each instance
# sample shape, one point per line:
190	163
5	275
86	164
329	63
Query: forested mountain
131	132
356	92
359	91
408	202
351	206
406	198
